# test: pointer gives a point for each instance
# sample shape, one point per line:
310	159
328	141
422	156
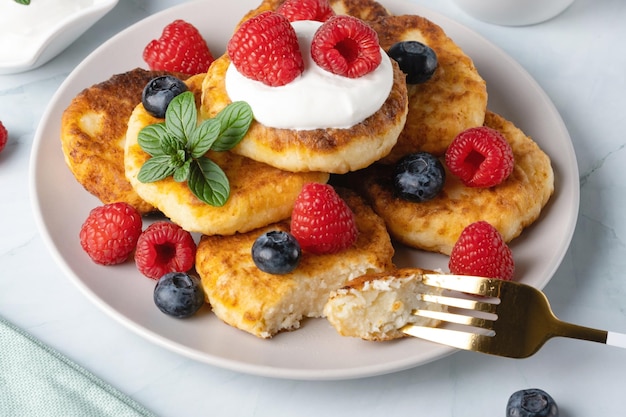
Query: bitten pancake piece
259	193
264	304
329	150
93	132
376	306
435	225
454	99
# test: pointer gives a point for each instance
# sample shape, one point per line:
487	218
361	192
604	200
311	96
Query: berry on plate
416	60
178	294
164	247
419	177
181	48
321	220
276	252
295	10
347	46
532	402
265	48
110	233
480	157
481	251
4	136
159	92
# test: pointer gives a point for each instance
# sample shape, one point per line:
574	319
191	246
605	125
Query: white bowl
513	12
52	40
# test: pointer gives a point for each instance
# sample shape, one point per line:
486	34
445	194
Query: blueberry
179	294
418	177
158	93
416	60
531	403
276	252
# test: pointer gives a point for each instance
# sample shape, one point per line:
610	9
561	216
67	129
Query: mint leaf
181	174
181	116
204	137
156	169
26	2
208	182
235	120
149	139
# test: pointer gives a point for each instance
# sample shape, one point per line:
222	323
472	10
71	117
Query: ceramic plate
315	351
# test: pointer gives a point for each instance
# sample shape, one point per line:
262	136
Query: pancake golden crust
454	99
93	131
435	225
376	306
363	9
264	304
329	150
259	194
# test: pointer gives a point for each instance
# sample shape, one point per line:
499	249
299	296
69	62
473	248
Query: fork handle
616	339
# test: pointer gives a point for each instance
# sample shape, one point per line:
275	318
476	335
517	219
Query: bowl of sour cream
34	33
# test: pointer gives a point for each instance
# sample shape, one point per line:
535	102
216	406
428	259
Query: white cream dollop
317	98
23	28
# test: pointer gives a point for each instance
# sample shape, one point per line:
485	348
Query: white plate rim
565	201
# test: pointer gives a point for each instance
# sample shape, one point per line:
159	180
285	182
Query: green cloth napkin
36	380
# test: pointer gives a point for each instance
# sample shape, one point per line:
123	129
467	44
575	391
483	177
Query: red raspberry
265	48
481	251
110	233
347	46
181	48
295	10
480	157
164	247
4	136
321	220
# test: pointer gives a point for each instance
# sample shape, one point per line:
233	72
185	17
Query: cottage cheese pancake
376	306
363	9
454	99
259	194
93	132
435	225
264	304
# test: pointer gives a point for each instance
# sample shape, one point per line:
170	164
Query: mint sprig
26	2
178	146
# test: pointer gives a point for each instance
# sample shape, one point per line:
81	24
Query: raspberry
321	220
265	48
181	48
4	136
110	233
295	10
481	251
164	247
346	46
480	157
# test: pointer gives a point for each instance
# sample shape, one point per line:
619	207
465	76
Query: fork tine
454	338
465	303
480	322
464	283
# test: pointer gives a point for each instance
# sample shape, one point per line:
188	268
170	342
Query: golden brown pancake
435	225
454	99
93	131
259	193
329	150
363	9
264	304
376	306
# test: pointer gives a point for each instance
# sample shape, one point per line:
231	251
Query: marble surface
572	57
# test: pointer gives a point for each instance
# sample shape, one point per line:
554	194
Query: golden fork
503	318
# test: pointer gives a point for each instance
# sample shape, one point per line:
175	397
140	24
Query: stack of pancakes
269	167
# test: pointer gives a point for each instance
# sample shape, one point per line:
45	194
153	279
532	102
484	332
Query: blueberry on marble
532	402
159	92
276	252
179	294
416	60
418	177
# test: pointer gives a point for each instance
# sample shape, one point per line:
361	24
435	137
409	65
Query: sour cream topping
317	98
24	28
